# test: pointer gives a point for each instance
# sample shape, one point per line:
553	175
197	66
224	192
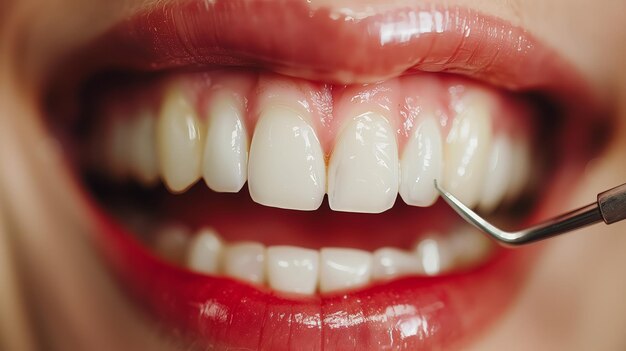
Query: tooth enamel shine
342	269
467	150
204	253
292	269
363	171
421	164
178	141
245	261
225	159
286	167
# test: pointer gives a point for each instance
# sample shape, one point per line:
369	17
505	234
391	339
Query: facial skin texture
55	294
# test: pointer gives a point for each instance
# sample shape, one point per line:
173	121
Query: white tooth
142	151
117	143
171	243
468	246
467	151
521	169
178	141
390	263
225	164
434	254
292	269
363	171
498	175
342	269
286	167
421	164
204	253
245	261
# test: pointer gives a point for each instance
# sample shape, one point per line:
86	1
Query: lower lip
411	313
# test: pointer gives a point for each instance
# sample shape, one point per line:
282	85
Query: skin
55	294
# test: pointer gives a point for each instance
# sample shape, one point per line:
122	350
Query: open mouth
268	183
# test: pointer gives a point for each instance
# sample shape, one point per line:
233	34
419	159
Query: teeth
225	163
245	261
171	243
292	269
363	171
467	150
498	173
434	254
421	164
342	269
297	270
178	141
204	252
286	166
390	263
468	246
142	153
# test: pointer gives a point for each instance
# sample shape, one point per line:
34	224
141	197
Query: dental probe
610	207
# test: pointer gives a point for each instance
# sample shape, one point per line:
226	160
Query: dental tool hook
610	207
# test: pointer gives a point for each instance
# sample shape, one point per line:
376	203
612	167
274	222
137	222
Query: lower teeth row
299	270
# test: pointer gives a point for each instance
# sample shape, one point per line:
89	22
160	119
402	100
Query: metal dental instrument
610	207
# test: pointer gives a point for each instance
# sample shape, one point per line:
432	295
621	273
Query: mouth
261	173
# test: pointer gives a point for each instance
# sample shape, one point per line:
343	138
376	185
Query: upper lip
291	38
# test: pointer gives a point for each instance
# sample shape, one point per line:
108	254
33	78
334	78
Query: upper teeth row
300	270
286	166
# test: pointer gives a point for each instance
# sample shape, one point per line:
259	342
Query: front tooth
292	269
225	164
498	175
204	253
434	254
142	151
467	150
342	269
286	167
363	170
178	141
421	164
245	261
390	263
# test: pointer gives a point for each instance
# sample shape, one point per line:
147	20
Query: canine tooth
204	253
389	263
467	150
286	168
498	175
171	243
178	141
142	151
292	269
245	261
421	164
225	160
363	171
434	254
469	246
342	269
521	169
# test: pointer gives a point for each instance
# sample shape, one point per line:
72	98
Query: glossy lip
412	313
